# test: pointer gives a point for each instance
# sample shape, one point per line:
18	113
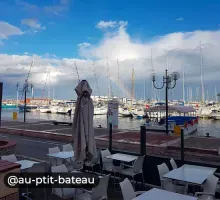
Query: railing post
110	137
1	91
182	146
143	140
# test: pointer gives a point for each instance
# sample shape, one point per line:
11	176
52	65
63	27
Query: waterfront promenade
199	149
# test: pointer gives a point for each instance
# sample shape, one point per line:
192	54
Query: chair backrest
138	164
39	167
162	169
59	168
67	147
53	150
77	165
210	184
173	163
100	191
106	161
10	158
127	190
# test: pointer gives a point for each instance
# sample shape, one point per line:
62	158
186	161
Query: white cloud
32	23
180	19
110	24
7	30
55	9
83	45
103	24
183	51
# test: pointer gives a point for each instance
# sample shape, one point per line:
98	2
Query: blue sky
55	28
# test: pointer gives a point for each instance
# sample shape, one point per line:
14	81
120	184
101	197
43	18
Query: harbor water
205	125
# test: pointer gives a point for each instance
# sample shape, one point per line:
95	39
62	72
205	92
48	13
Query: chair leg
133	182
100	169
143	179
114	180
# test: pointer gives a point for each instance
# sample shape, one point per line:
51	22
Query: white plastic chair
209	188
54	161
10	158
39	168
127	189
94	161
67	147
173	163
135	169
74	165
107	164
65	193
167	184
97	193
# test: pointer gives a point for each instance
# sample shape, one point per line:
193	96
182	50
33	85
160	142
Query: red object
191	122
197	105
147	106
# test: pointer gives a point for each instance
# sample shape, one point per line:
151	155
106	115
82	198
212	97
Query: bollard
1	90
110	137
143	140
182	146
15	116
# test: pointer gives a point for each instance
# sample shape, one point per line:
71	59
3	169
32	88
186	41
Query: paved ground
48	126
201	143
134	137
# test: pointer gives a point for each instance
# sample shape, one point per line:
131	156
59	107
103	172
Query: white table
158	194
122	157
26	164
190	174
62	154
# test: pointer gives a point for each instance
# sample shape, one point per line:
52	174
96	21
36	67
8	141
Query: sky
55	39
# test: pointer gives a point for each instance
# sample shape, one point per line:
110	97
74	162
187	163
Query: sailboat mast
144	90
201	70
49	87
216	96
132	87
152	86
183	86
118	81
96	81
108	93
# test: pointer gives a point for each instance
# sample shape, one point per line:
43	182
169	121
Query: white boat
215	114
54	109
100	111
124	112
45	109
63	110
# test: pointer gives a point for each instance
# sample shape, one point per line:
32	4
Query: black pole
25	102
110	137
143	140
182	146
166	99
1	91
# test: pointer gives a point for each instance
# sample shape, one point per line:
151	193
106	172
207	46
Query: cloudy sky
96	38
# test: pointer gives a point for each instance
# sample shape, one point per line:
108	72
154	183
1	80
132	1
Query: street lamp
167	82
24	91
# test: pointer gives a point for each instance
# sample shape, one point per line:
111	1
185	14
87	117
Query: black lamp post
24	91
167	82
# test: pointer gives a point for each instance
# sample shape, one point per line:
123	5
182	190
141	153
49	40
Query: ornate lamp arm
173	85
